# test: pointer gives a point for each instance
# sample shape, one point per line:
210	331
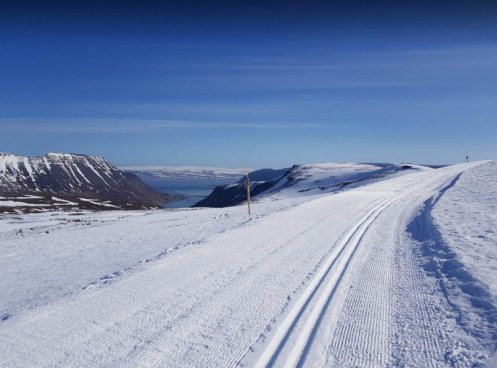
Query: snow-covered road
337	280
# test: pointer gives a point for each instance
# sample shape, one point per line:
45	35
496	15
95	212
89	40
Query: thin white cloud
120	126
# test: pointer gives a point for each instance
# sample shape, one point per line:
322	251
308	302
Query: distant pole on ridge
247	184
467	157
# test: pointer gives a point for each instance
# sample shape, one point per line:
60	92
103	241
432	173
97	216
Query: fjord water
189	195
191	191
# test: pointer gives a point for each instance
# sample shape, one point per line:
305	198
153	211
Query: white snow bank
467	218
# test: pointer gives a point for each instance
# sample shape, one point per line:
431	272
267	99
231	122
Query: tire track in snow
318	294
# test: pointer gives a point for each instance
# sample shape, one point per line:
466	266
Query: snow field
333	279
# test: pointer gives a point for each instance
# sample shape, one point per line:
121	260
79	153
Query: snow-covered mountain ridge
72	176
300	180
186	172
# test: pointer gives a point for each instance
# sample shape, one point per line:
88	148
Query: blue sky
262	86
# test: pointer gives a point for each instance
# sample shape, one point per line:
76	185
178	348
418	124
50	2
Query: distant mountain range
62	180
300	180
186	172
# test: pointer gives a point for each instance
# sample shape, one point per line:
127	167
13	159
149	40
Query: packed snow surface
395	272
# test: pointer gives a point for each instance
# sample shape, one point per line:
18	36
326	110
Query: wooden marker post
247	184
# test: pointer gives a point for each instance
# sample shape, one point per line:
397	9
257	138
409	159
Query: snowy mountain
86	181
303	180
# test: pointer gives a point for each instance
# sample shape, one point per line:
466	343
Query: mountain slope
300	180
230	195
72	177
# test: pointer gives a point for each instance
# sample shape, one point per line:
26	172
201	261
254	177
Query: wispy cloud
318	71
122	126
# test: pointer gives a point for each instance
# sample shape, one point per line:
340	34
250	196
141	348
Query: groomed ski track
320	289
324	283
350	329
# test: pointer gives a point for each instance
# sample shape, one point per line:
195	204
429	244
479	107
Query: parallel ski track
333	268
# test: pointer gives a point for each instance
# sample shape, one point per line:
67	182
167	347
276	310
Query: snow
467	218
70	167
98	203
19	204
462	253
63	173
333	279
316	179
64	202
8	161
47	164
88	163
104	165
25	171
60	160
28	196
323	175
29	169
80	173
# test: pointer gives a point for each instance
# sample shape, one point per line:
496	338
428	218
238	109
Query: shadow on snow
470	299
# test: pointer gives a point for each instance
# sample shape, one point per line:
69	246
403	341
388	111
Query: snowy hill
86	181
397	273
302	180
